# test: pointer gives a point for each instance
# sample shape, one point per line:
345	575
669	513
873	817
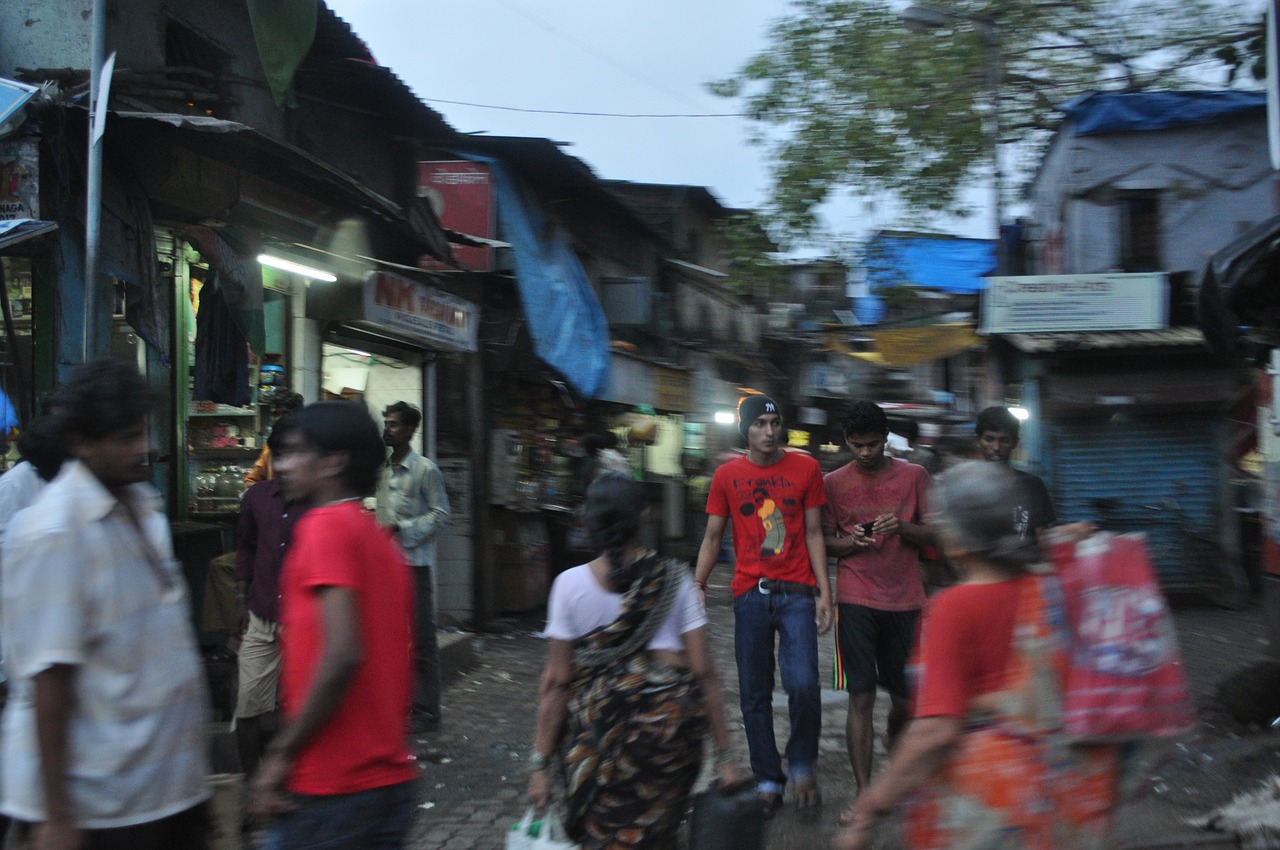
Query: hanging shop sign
19	179
461	194
420	312
1076	302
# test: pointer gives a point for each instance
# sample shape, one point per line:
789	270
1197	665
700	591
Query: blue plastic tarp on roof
943	263
1102	112
868	309
567	323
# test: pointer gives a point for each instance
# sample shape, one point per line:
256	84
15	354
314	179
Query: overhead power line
796	112
591	114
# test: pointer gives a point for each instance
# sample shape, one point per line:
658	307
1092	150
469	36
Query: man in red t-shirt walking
872	523
780	587
346	620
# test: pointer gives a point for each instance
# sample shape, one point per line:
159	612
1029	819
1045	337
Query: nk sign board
420	312
1076	302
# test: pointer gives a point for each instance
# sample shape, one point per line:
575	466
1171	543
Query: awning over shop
904	347
18	230
1239	287
14	97
1163	338
567	324
699	272
256	153
1146	390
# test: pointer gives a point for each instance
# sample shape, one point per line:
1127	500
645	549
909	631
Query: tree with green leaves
749	254
849	97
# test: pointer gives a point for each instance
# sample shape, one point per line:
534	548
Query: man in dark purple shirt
266	526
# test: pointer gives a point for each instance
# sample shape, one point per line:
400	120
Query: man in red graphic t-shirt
780	586
346	620
873	523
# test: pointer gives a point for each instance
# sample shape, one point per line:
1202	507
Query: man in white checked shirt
104	743
412	503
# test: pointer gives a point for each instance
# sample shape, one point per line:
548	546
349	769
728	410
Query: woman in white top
629	691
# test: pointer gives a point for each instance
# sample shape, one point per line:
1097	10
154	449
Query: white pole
93	187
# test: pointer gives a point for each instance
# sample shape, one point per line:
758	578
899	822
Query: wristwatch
538	761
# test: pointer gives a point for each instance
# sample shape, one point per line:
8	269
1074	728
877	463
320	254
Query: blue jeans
377	819
757	616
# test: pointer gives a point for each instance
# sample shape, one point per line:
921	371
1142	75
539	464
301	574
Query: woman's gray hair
977	502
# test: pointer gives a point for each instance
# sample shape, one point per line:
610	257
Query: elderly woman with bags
984	763
629	691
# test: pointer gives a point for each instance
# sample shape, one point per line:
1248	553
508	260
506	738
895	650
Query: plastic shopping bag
523	832
1124	677
534	833
553	836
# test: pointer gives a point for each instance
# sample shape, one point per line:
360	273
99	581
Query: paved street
473	783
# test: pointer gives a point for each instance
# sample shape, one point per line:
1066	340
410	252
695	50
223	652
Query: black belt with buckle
768	585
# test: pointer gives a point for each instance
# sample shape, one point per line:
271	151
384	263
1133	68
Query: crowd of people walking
974	673
104	732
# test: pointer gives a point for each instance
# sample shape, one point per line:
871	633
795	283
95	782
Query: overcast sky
593	56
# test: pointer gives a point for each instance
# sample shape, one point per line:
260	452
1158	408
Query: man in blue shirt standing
412	503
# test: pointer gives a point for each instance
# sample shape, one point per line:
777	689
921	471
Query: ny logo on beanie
752	408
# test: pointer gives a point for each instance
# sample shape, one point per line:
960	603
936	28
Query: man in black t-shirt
997	430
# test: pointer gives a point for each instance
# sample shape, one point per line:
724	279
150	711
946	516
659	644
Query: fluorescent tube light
295	268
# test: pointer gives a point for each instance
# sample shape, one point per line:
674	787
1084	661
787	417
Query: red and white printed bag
1124	679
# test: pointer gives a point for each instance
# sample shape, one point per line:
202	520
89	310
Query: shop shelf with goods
222	445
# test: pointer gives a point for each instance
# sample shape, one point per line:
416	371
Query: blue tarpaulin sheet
1102	112
868	309
565	318
943	263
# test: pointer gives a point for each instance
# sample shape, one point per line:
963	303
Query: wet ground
474	778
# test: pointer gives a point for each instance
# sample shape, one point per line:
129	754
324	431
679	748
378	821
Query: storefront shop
193	210
23	255
393	338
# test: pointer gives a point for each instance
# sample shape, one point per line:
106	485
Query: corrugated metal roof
545	164
341	67
1098	340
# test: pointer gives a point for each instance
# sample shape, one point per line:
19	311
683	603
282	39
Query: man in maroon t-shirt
872	523
346	619
780	586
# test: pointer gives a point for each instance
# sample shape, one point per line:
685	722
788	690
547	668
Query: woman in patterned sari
629	691
983	765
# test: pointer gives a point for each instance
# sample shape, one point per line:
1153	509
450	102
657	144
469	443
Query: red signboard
461	193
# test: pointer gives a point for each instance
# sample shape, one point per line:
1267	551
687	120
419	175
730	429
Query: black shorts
874	646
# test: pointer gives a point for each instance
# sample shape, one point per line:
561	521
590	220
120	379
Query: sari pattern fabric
1013	781
634	727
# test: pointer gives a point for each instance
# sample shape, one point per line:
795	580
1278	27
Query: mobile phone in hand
867	528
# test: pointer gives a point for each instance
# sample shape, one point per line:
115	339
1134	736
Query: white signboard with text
421	312
1076	302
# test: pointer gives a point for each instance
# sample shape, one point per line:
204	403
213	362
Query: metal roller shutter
1157	474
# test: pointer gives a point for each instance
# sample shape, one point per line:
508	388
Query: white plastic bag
520	836
552	835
